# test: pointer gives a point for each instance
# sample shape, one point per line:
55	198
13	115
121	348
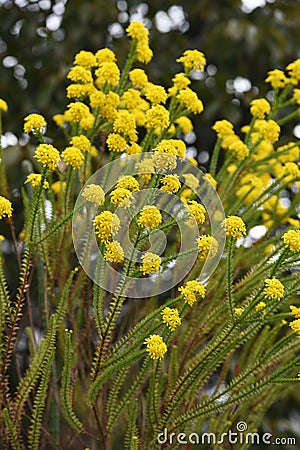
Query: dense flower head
170	183
80	74
128	182
296	96
34	123
114	252
108	73
223	128
234	226
260	107
76	111
184	124
87	122
190	180
133	149
171	317
35	180
190	100
196	211
238	311
3	105
105	55
207	246
150	217
81	142
47	155
59	119
277	78
107	102
138	78
73	157
124	124
94	194
121	197
295	311
106	224
157	117
174	147
85	59
131	100
192	60
79	91
137	31
239	149
151	263
291	240
116	143
191	291
268	129
5	207
155	94
155	346
273	288
58	186
294	71
295	326
144	53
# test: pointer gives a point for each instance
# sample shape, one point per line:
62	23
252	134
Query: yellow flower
171	317
94	193
296	96
260	108
59	119
291	239
106	224
208	177
191	181
114	252
80	74
58	186
47	155
295	311
138	78
144	53
124	123
3	105
79	90
155	93
207	246
239	149
189	99
128	182
294	71
138	31
150	217
295	326
87	122
131	100
185	124
274	288
155	346
105	55
174	147
268	129
192	60
85	59
35	180
81	142
133	149
223	128
234	226
277	79
121	197
2	238
145	169
108	73
76	111
34	123
238	311
196	211
260	306
164	161
170	183
191	291
116	143
151	263
108	104
5	207
157	117
73	157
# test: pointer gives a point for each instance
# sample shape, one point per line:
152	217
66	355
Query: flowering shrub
121	361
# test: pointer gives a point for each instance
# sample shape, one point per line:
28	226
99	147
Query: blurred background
242	41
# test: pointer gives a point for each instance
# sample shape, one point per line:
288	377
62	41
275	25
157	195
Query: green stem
229	279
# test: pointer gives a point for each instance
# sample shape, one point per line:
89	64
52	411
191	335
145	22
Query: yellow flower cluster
73	157
114	252
139	33
292	240
207	246
121	197
155	346
35	180
191	291
128	182
192	60
196	212
5	207
151	263
106	224
171	317
260	108
150	217
34	123
94	194
47	155
274	288
234	227
170	183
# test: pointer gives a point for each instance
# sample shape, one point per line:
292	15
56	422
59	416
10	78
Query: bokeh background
242	41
